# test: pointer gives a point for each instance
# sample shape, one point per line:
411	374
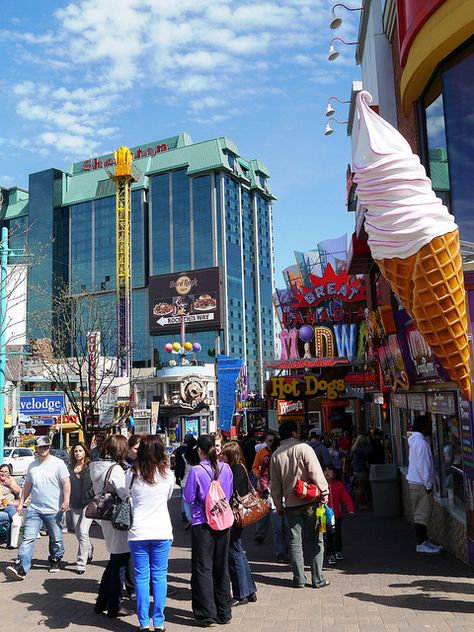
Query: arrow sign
191	318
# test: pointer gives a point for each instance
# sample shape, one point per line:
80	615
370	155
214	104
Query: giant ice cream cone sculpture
413	239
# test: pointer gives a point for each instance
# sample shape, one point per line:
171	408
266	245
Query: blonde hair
361	441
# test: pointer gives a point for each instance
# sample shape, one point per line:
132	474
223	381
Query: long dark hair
151	458
206	444
87	458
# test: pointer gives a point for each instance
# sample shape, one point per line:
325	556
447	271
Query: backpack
219	515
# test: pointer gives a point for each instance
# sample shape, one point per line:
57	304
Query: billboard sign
194	295
42	404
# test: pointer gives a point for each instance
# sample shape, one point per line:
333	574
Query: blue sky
81	78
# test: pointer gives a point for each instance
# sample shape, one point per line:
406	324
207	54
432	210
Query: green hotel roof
16	203
200	157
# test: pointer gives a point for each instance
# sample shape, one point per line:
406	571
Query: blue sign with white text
228	371
42	404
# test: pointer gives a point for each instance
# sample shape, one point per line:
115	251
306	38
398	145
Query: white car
19	459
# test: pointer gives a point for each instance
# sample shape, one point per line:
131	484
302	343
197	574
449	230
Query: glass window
202	222
448	458
161	238
449	128
181	221
81	248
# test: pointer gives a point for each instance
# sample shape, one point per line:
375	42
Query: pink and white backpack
219	515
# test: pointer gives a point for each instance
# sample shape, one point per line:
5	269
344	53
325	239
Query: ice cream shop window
447	448
446	107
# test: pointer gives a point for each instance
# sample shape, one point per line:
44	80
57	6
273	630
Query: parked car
61	454
19	459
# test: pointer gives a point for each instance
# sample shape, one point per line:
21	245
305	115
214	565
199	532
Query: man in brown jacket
292	461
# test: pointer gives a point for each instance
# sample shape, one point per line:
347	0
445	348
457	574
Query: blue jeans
150	557
241	578
279	528
33	523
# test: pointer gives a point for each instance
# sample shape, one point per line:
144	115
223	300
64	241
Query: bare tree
77	348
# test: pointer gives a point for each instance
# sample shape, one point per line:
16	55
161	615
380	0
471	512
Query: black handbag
122	517
102	506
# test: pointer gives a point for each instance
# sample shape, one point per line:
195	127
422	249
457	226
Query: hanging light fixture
328	129
333	53
335	21
330	110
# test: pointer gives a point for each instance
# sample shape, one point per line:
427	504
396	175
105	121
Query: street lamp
329	130
330	110
336	22
333	53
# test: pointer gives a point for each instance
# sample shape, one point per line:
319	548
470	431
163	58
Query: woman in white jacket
151	484
113	454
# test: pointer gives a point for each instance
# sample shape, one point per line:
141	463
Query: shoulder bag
249	508
122	517
102	506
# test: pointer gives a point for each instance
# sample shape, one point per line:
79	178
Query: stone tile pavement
381	586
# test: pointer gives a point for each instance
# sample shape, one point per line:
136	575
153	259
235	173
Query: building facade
195	205
429	50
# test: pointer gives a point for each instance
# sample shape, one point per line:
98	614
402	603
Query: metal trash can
386	490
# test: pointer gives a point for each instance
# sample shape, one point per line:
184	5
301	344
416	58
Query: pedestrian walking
99	441
48	483
112	463
10	497
360	453
265	451
210	582
320	449
81	494
294	461
151	483
278	522
243	584
338	496
421	478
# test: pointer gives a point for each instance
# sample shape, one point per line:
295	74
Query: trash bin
386	492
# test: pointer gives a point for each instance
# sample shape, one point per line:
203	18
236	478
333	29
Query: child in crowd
338	496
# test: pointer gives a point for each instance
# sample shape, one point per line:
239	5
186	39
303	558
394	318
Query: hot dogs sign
193	295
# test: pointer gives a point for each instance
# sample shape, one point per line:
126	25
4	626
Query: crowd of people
138	469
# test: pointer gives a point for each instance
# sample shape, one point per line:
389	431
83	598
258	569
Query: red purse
306	491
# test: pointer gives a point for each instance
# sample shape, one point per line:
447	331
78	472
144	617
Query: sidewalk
382	585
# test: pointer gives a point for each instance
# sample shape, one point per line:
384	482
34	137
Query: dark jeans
302	525
241	578
210	584
334	540
111	584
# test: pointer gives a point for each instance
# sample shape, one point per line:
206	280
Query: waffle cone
430	286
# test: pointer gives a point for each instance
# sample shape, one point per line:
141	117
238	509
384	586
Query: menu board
416	401
441	403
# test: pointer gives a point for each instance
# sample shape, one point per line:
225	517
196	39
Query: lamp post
5	251
3	332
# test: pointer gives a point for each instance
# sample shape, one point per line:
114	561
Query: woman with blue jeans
151	484
243	584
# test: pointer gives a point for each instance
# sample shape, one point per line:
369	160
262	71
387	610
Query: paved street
381	586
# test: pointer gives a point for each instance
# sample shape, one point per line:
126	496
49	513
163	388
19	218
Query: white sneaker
426	549
436	547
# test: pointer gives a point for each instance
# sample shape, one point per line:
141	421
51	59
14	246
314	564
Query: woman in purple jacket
210	583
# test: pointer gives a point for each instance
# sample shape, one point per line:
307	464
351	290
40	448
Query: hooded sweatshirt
116	541
421	469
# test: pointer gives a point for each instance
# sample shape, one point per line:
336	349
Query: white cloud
185	48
